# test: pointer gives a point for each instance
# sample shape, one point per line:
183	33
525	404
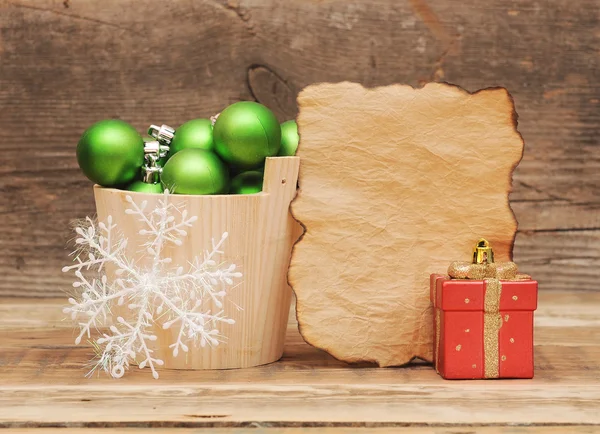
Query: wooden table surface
42	385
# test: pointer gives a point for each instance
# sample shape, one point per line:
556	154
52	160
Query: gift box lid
469	295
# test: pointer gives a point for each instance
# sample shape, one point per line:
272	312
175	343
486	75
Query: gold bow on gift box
484	268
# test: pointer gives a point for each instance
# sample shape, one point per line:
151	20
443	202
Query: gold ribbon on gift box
484	268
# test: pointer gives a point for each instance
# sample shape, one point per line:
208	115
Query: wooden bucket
262	233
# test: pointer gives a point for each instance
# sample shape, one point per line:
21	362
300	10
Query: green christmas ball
195	171
110	152
235	171
144	187
197	133
247	183
289	139
246	133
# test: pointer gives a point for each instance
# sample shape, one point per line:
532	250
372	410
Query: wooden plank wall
66	63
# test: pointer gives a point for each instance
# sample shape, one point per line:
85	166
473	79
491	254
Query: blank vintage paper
395	183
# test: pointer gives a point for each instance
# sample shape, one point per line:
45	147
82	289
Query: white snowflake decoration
157	294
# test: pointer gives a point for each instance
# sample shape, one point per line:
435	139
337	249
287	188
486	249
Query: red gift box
483	328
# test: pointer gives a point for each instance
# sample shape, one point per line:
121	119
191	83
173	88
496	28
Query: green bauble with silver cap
197	134
195	171
110	153
145	187
245	133
247	183
289	139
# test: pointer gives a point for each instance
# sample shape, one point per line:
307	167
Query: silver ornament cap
156	148
153	152
164	134
151	174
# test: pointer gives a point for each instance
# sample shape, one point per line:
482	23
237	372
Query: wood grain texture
385	207
149	61
257	429
261	235
43	385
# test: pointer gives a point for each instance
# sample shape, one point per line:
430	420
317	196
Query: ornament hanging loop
483	253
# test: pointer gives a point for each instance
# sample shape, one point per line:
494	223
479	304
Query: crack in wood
242	13
450	42
431	20
540	191
73	16
438	72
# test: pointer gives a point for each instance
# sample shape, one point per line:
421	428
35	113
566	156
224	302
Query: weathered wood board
395	184
65	64
42	384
